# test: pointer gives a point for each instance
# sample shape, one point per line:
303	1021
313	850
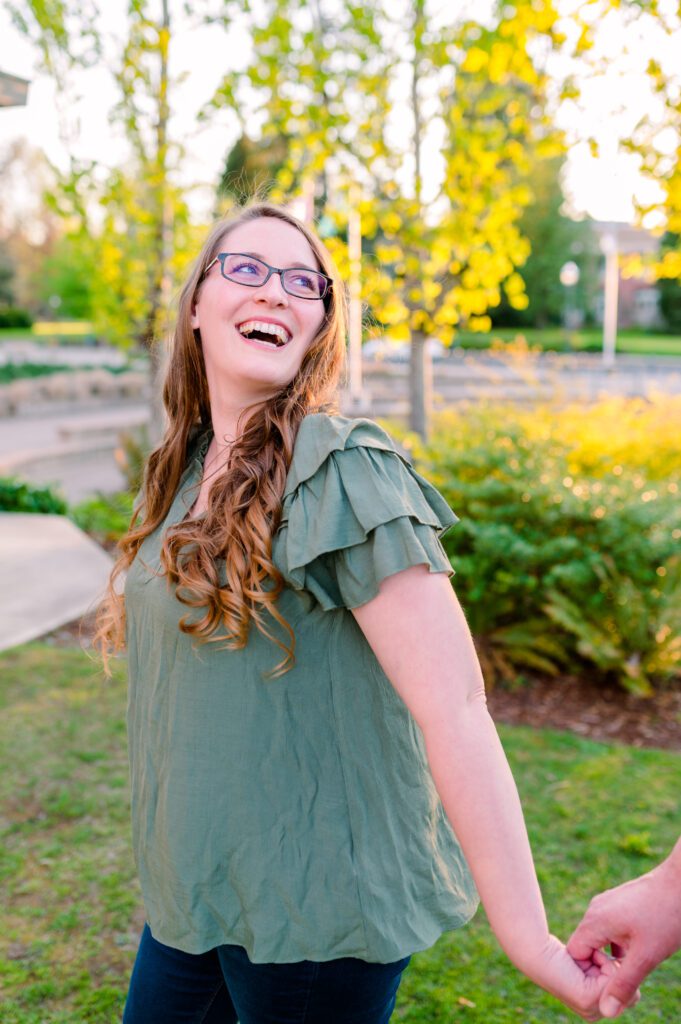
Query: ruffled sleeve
354	512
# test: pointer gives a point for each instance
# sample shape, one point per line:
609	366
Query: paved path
50	573
71	449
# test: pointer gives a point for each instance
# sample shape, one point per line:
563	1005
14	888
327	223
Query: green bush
21	371
19	496
132	454
10	316
105	518
567	553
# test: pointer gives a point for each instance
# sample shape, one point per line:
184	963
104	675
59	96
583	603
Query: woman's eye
245	267
304	281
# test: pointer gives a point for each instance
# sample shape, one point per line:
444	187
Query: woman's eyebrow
302	264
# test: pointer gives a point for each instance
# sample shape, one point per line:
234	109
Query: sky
611	104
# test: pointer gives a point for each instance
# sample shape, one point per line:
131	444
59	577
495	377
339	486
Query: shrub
19	496
21	371
567	552
131	456
105	518
10	316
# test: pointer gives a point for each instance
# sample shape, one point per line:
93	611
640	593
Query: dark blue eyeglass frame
222	256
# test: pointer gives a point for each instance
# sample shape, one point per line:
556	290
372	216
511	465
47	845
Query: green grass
23	371
633	342
17	334
597	814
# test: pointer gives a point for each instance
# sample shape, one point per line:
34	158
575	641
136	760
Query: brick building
639	299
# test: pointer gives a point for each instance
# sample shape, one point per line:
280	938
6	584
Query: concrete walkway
69	448
50	573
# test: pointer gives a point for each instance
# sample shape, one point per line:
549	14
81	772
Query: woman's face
241	369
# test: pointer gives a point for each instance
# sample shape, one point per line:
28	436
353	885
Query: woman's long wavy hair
244	505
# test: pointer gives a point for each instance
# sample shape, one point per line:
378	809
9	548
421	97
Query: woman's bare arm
420	637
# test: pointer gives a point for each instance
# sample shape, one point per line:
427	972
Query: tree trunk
159	290
420	379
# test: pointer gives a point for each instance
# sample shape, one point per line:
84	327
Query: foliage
7	272
252	168
554	239
67	274
21	371
441	260
10	316
134	449
129	229
19	496
655	139
670	288
72	909
567	550
661	162
105	517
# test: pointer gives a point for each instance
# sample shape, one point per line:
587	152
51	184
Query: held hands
578	984
641	920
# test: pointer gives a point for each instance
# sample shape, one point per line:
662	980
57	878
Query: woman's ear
195	318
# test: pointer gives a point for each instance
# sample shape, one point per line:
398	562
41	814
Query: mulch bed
599	712
569	703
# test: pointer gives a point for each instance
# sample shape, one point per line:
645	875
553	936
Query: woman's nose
273	291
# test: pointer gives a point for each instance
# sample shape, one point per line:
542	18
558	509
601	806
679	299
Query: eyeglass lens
306	284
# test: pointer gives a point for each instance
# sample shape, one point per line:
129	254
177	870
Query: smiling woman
231	386
301	829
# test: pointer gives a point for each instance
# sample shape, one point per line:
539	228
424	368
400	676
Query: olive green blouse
295	817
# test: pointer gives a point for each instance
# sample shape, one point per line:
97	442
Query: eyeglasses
254	273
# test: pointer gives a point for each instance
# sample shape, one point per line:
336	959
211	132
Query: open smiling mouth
274	335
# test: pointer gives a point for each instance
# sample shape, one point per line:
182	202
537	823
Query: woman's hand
578	984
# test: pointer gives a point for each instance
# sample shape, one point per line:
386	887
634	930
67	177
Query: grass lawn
597	814
17	334
628	341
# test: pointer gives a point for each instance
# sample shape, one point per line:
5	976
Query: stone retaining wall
72	386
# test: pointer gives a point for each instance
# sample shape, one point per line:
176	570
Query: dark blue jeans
223	986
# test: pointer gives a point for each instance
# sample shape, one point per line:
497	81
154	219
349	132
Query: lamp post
611	288
569	276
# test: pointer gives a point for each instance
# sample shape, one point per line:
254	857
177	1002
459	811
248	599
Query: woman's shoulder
322	434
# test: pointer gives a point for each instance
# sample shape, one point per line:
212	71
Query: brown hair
244	506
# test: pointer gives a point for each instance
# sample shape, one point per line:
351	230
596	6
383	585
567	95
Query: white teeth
265	328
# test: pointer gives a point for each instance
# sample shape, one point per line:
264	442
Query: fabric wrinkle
294	817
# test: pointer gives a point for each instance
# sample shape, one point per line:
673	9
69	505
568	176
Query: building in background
13	90
639	297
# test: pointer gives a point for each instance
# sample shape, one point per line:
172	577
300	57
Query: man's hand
641	920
